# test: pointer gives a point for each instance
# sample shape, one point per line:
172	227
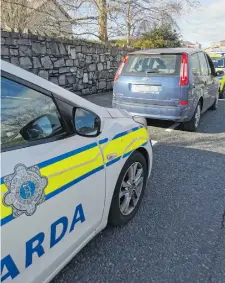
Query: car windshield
219	62
152	64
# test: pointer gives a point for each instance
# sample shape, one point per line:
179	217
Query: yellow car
219	63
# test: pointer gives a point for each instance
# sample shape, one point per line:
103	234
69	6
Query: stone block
102	58
70	79
100	66
76	63
109	85
3	40
36	62
4	50
43	74
38	48
54	80
91	75
85	78
78	49
93	89
59	63
72	52
15	61
84	49
54	48
62	49
25	50
46	62
96	58
24	41
73	69
64	70
88	59
108	65
92	67
85	91
69	62
102	85
80	73
62	80
14	52
25	62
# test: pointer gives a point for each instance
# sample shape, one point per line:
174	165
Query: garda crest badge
25	189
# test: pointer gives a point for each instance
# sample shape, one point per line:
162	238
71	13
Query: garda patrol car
68	168
219	63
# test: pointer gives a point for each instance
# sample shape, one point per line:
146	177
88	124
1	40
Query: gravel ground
178	234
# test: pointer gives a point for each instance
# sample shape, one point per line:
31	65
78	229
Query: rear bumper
176	114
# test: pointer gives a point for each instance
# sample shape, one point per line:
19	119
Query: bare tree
137	16
101	19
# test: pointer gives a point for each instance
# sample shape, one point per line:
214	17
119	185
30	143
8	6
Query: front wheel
215	103
193	124
222	93
129	190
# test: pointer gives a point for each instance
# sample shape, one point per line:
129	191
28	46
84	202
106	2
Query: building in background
188	44
44	16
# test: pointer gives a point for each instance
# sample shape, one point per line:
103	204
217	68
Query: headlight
140	120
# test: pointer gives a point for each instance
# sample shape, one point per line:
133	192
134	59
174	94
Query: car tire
193	124
215	103
118	214
222	93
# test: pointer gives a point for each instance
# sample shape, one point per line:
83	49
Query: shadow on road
176	235
213	122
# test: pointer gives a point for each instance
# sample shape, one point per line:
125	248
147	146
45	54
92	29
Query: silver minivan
174	84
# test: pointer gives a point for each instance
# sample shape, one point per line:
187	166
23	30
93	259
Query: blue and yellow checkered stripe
68	169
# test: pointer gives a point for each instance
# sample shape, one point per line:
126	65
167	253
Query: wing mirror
220	73
41	127
86	123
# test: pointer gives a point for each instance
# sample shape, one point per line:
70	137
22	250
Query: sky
205	24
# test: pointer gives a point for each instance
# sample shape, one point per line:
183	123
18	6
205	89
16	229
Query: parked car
69	168
170	84
219	64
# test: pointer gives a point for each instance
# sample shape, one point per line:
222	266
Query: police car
69	167
218	59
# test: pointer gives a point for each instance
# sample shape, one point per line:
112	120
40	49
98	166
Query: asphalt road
178	234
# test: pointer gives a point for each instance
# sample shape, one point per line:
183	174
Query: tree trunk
102	21
128	20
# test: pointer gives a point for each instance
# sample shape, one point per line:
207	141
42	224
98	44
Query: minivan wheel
129	190
215	104
222	93
193	124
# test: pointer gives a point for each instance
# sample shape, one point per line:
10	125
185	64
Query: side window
212	70
27	115
203	64
195	65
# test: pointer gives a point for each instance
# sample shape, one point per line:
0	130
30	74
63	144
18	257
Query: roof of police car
167	51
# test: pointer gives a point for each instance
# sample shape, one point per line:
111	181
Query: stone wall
79	66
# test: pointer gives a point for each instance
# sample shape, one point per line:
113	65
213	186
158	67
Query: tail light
183	102
120	68
184	70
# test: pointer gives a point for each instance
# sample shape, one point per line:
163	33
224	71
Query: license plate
146	88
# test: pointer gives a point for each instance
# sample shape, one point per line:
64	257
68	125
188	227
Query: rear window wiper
152	72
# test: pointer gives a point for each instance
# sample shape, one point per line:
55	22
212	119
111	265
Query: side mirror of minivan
220	73
86	123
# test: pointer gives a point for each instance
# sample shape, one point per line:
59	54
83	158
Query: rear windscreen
152	64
